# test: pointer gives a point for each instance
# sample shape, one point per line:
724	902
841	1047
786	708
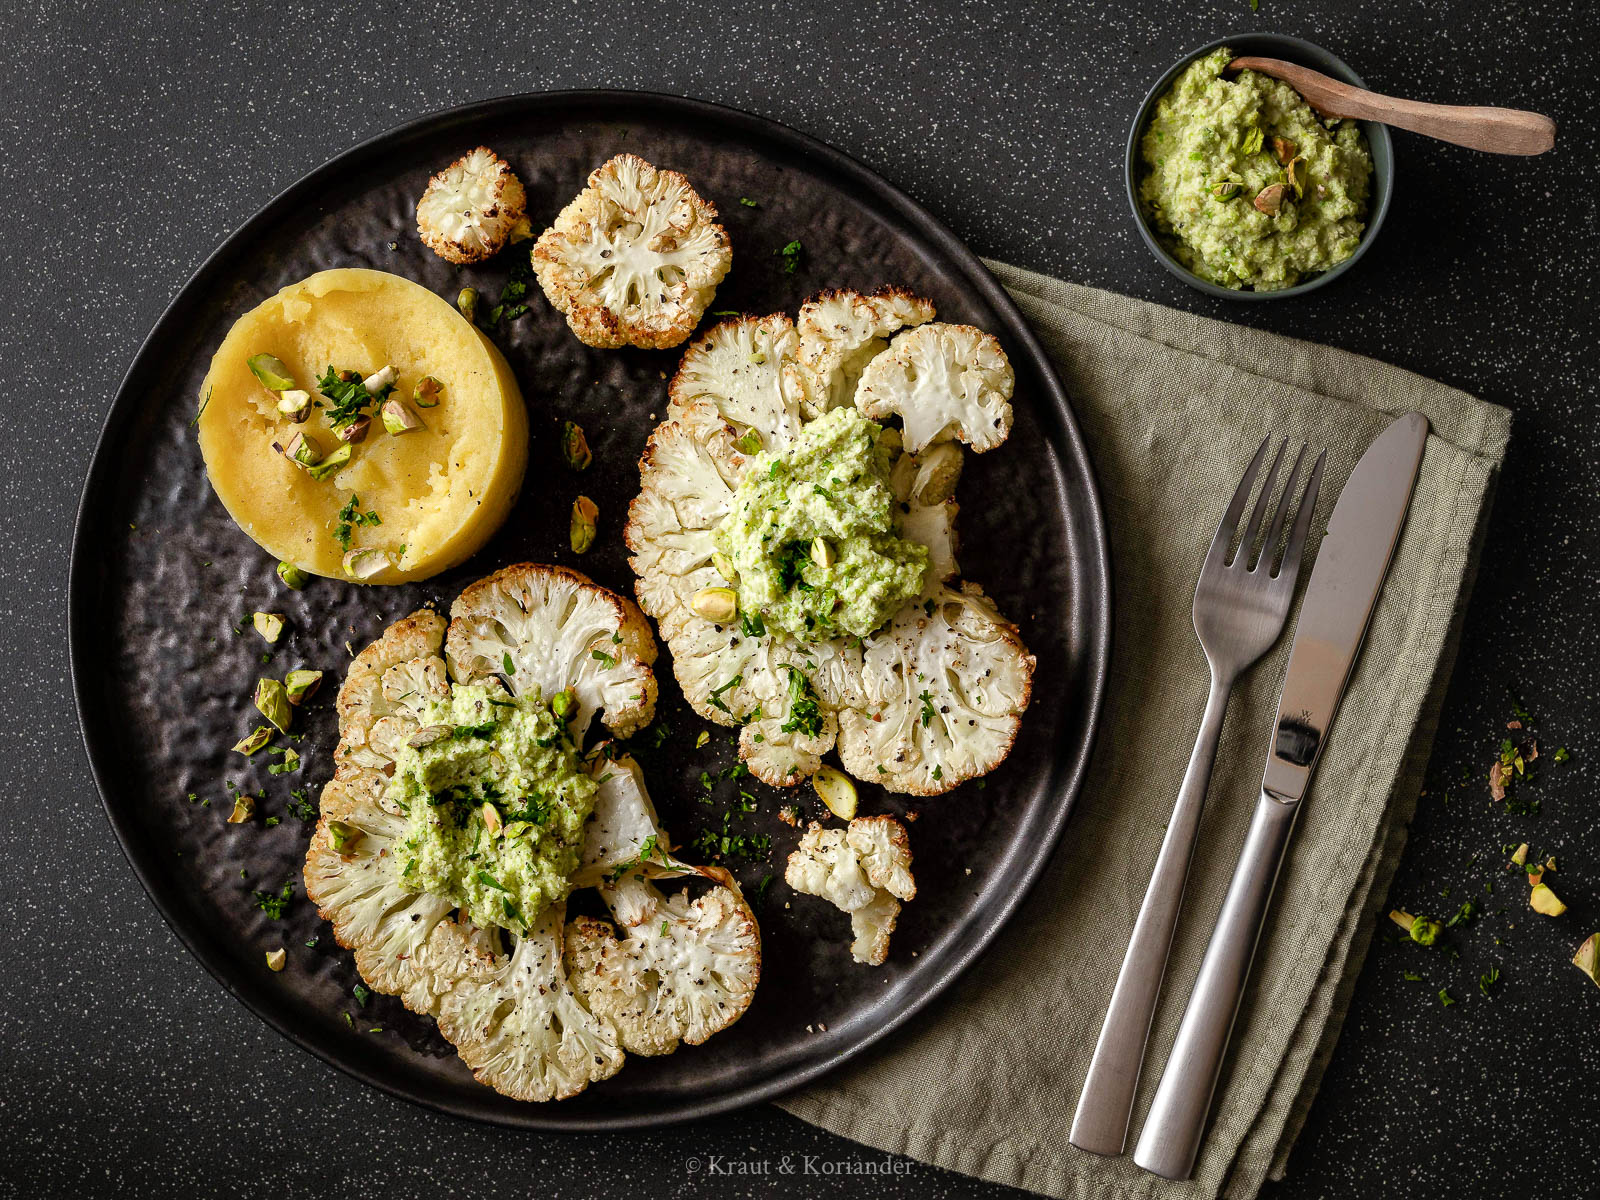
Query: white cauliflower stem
471	208
635	259
942	381
864	870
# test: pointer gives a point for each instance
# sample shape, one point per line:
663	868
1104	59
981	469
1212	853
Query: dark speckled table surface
136	137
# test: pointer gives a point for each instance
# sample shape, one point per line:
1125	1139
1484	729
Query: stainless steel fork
1240	606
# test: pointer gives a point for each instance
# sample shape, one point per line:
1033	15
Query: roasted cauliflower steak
933	697
541	1013
942	381
635	258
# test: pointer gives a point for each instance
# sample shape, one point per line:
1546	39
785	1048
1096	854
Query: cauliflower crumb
472	208
864	870
635	258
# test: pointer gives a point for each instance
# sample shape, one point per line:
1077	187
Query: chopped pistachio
254	741
750	443
354	430
1252	140
1422	930
268	625
467	303
382	378
269	369
837	792
399	417
715	604
272	700
428	392
343	836
292	576
701	740
822	552
363	563
575	446
581	529
1226	190
302	449
724	566
244	807
1296	174
1283	150
291	762
1545	901
339	458
301	684
491	818
276	959
564	704
1587	959
1520	858
427	736
1270	199
294	404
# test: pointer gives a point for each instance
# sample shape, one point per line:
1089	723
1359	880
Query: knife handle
1172	1133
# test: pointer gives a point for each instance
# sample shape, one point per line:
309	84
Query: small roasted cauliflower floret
943	381
864	870
841	331
635	259
471	208
549	629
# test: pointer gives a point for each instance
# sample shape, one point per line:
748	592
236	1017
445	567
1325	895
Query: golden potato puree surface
440	492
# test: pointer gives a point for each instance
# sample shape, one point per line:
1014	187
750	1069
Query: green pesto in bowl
1245	185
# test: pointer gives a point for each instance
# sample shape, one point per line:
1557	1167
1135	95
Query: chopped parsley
1488	980
350	519
716	694
300	805
805	714
927	708
1445	998
348	395
273	903
361	994
751	625
606	661
505	661
648	849
791	256
749	203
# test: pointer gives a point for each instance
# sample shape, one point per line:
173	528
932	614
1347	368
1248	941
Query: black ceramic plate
161	578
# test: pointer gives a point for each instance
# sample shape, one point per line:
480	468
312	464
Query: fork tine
1258	514
1230	519
1302	523
1270	545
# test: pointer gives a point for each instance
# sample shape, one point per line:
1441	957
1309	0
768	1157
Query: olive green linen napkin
1172	407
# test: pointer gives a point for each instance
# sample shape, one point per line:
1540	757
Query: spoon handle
1497	130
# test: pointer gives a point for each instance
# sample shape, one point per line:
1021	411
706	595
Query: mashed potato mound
439	492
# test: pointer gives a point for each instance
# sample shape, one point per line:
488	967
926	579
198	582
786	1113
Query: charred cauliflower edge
933	698
635	258
542	1016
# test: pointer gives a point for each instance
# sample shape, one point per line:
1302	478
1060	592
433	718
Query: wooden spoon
1497	130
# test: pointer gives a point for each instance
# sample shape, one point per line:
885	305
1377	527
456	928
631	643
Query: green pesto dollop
511	754
832	484
1209	153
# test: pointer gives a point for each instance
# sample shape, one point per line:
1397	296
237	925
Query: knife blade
1343	591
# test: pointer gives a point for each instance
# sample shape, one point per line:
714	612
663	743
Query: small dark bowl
1290	49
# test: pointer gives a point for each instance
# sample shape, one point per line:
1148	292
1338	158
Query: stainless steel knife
1345	583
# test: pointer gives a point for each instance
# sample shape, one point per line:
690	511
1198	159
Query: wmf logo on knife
1297	739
